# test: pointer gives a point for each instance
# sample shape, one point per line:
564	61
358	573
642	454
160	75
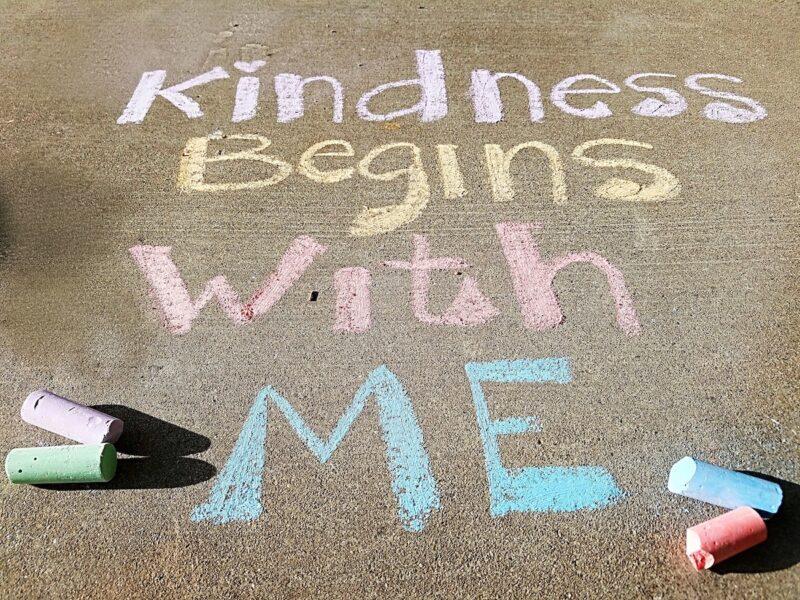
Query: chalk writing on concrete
247	90
236	494
353	300
663	187
470	306
429	78
532	278
178	310
659	183
532	489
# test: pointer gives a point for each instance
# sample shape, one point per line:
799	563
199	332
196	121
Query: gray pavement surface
711	270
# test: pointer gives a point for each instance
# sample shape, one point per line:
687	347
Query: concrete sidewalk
397	383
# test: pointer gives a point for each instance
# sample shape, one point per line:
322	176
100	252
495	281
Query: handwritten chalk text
660	184
428	78
236	494
532	277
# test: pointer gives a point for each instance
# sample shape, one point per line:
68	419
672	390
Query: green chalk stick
90	463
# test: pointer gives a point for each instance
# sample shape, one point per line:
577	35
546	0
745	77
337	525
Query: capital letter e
532	489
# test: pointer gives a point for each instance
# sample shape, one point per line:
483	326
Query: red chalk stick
722	537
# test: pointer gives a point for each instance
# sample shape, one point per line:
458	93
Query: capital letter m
236	494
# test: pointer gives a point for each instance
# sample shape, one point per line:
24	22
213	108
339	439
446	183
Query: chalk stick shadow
148	473
782	548
158	450
145	435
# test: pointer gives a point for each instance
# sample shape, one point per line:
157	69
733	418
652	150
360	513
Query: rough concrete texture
712	273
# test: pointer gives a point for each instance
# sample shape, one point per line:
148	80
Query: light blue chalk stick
722	487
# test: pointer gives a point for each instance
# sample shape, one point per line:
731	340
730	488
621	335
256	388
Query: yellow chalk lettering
499	165
452	180
664	186
373	221
191	174
307	167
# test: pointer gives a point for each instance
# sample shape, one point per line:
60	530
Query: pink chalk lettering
470	307
533	277
432	105
353	303
178	310
150	87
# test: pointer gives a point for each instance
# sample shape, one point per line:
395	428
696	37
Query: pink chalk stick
722	537
65	417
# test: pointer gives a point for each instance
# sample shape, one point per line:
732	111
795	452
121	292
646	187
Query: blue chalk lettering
532	489
413	483
236	495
